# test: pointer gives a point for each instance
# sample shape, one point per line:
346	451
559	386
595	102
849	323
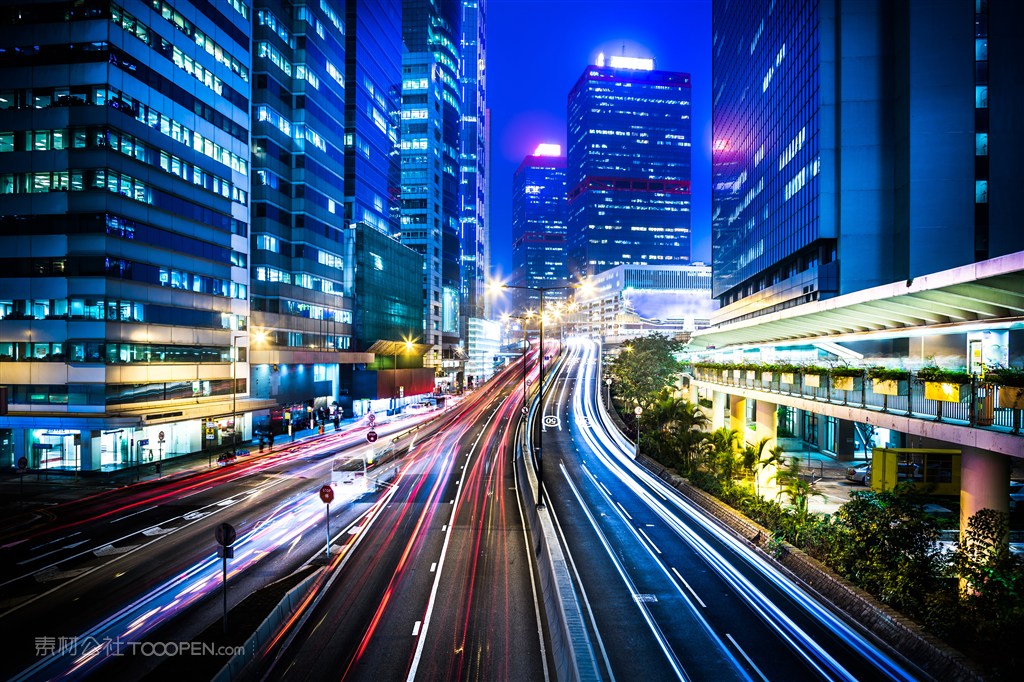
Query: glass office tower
124	174
538	227
628	170
473	179
851	145
432	30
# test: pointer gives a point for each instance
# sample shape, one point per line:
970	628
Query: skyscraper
431	30
299	298
538	226
852	145
628	169
473	177
124	170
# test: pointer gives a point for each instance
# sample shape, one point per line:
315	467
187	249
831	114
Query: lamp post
493	286
637	411
608	393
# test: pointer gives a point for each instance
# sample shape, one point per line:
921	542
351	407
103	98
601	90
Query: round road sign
225	534
371	436
22	464
327	494
371	417
161	437
526	410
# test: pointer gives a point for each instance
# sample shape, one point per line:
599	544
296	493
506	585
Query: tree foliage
643	368
888	547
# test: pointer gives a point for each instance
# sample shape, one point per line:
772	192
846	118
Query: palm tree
774	459
722	455
752	457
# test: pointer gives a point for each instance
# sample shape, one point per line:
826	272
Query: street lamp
608	393
493	287
637	411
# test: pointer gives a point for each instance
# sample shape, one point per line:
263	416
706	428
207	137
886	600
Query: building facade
628	168
125	175
635	300
474	179
432	30
538	228
851	145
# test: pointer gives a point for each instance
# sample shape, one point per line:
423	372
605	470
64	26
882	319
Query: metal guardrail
912	404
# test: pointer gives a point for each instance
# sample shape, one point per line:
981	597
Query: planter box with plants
889	381
812	375
943	384
1011	386
847	378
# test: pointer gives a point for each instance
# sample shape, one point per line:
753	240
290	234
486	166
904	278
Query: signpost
225	535
371	436
327	494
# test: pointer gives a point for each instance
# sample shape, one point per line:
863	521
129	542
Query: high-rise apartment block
628	167
859	144
538	227
125	180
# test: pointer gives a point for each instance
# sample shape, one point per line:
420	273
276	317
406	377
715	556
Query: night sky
538	49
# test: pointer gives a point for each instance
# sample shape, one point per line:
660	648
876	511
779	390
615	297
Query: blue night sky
538	49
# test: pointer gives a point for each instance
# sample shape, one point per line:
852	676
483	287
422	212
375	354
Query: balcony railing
977	406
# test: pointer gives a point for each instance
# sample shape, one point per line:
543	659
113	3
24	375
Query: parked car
226	458
860	473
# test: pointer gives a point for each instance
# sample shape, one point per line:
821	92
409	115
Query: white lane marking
416	628
444	528
128	516
32	549
687	586
433	567
747	658
52	551
648	538
604	488
624	511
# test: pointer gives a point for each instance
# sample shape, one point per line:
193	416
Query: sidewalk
41	488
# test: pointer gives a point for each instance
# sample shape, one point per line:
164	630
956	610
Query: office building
860	144
628	167
474	177
538	228
124	285
431	156
636	300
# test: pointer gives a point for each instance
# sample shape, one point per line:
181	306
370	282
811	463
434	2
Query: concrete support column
694	398
984	483
738	414
91	449
767	423
718	400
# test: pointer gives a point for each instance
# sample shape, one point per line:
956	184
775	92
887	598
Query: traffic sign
23	464
327	494
161	437
371	436
371	417
225	534
526	410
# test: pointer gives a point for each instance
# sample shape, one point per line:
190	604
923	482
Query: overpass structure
967	321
